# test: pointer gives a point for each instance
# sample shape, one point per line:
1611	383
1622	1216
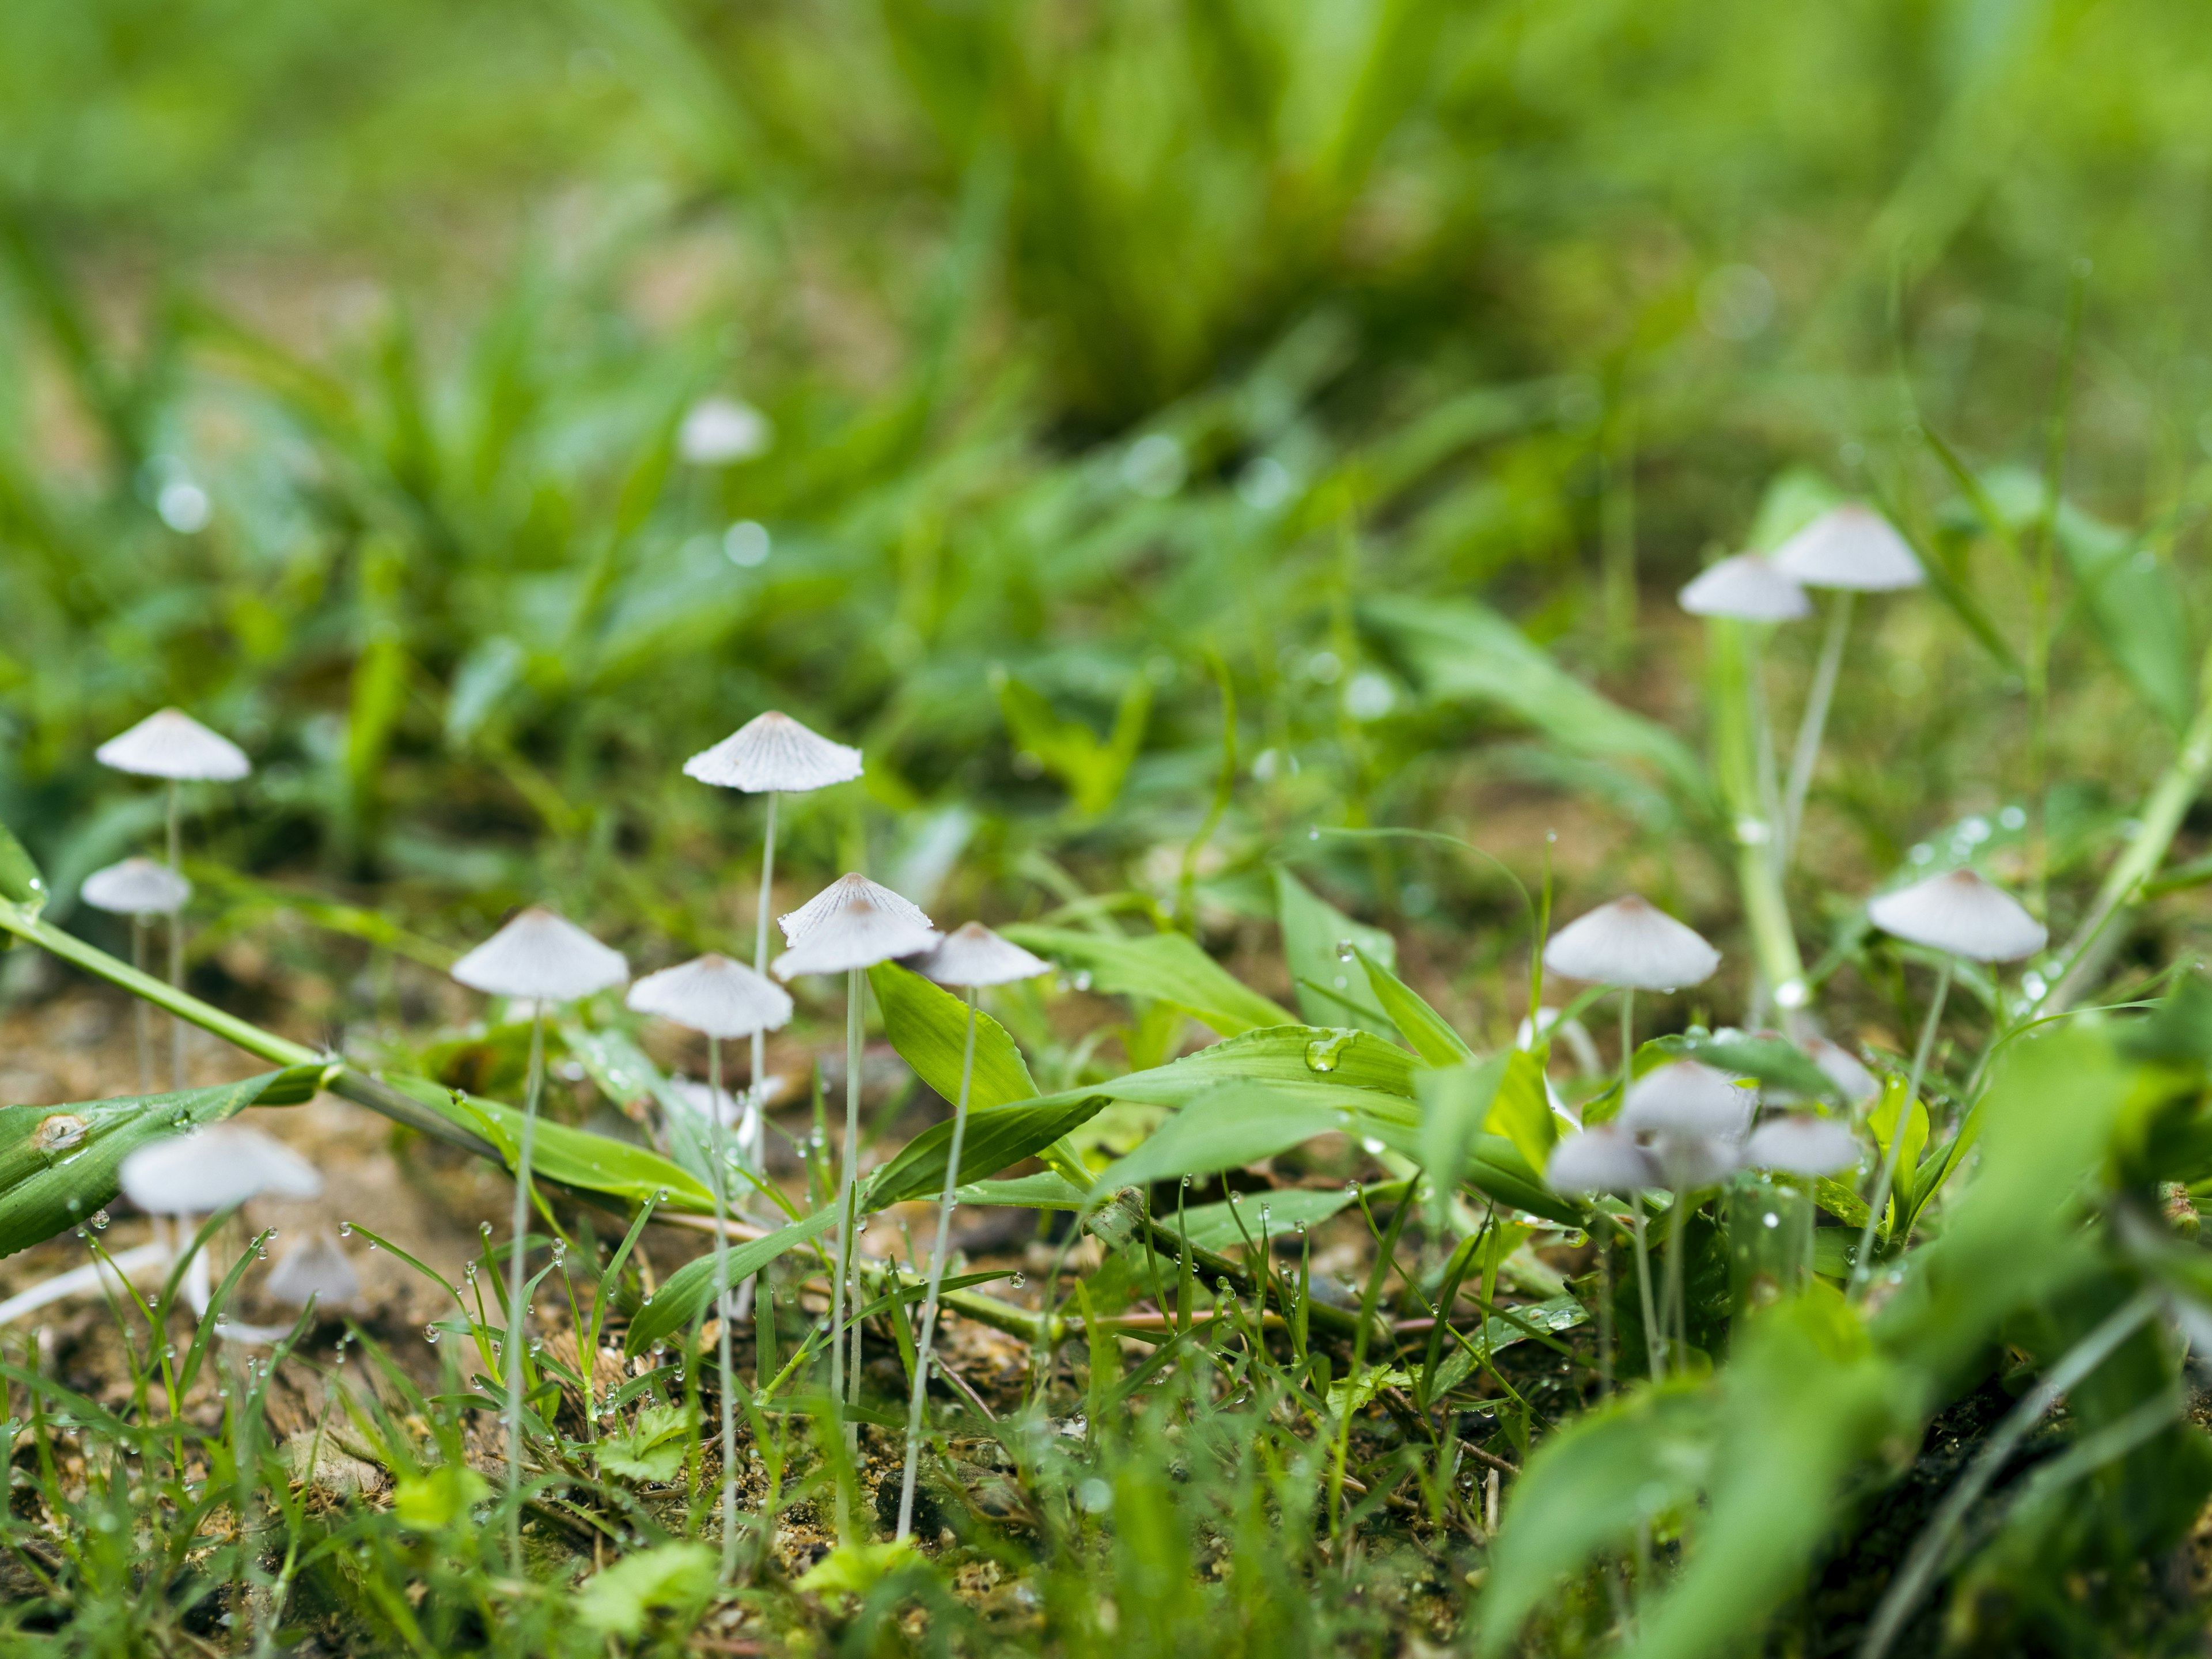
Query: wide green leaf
1281	1053
1236	1123
1431	1034
994	1141
1315	935
1777	1062
58	1165
1169	967
20	880
1455	1102
686	1293
1226	1225
928	1026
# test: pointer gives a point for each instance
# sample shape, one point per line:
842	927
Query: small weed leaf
438	1497
1167	967
650	1449
673	1580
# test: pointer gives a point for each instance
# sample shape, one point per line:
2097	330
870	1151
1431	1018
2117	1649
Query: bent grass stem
940	1250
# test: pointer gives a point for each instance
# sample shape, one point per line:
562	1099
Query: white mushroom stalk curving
540	958
171	745
968	958
719	999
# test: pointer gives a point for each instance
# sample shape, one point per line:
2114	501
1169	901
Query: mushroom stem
141	1023
1863	1267
938	1251
1654	1357
518	1326
752	1134
854	983
725	1304
176	947
1815	722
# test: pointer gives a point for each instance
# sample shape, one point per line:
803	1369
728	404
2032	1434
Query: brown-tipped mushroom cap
213	1169
1960	913
314	1268
1849	546
1746	588
1631	942
972	954
137	887
1800	1144
773	751
845	890
539	956
713	995
859	934
1600	1160
1842	1069
172	744
1687	1098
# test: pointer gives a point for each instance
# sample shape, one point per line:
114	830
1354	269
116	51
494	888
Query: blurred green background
1103	368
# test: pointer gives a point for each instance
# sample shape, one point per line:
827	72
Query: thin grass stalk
1813	725
518	1328
939	1253
1740	740
724	1304
1652	1355
1862	1270
141	1021
176	944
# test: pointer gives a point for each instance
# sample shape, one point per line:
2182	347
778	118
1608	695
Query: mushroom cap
847	889
773	751
539	956
137	887
702	1100
1633	943
1688	1162
1842	1069
972	954
1600	1160
213	1169
1961	913
1747	588
1801	1144
172	744
717	431
714	995
1849	546
860	934
316	1268
1688	1097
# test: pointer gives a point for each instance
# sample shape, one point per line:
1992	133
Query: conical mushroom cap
1746	588
137	887
1842	1069
314	1268
1688	1162
847	889
774	751
701	1098
1600	1160
1687	1098
1849	546
1961	913
713	995
172	744
1802	1145
539	956
973	955
860	934
1631	942
223	1164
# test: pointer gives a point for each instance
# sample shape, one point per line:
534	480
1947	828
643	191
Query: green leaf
650	1449
20	880
1432	1038
1495	1169
928	1026
1219	1227
623	1073
1166	967
1881	1122
1777	1062
1281	1053
58	1163
1047	1189
684	1294
437	1497
574	1157
1236	1123
676	1579
1092	770
1522	1109
994	1141
1455	1107
1561	1313
1315	933
1462	651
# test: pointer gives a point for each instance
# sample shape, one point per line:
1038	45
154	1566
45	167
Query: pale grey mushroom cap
713	995
860	934
539	956
1746	588
1631	942
1842	1069
1687	1162
773	751
1801	1144
848	889
172	744
700	1099
718	431
314	1268
213	1169
1600	1160
972	954
1688	1097
1960	913
137	887
1849	546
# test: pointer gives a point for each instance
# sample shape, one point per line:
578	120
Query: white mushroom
137	887
1744	588
1601	1160
212	1168
172	744
1801	1144
1961	914
314	1269
1842	1068
1632	943
1851	547
840	896
718	431
972	955
1687	1098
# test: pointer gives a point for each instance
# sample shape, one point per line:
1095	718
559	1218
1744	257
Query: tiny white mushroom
1633	944
210	1170
773	754
314	1268
717	431
1601	1160
1800	1144
842	895
1851	546
542	957
172	744
1687	1162
1745	588
1842	1069
1688	1097
1961	914
137	887
972	955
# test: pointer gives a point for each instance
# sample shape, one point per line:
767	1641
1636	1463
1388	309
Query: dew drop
100	1219
1019	1280
345	1230
1344	948
429	1332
